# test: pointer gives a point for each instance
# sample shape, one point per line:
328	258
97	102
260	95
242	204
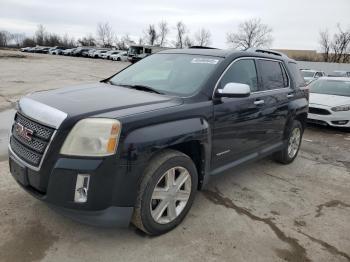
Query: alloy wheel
170	195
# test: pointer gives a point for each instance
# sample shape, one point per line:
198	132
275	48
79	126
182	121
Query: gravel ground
261	212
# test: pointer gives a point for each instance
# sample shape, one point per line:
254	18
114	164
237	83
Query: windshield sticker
204	61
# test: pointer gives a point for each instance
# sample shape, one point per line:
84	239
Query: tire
167	163
291	148
118	59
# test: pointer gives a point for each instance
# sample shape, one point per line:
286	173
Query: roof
199	51
224	53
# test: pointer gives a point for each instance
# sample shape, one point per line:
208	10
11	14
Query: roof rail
202	47
265	51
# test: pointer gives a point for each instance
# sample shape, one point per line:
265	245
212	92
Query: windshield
307	73
179	74
331	87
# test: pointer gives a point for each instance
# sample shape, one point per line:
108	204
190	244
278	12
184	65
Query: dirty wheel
292	146
166	192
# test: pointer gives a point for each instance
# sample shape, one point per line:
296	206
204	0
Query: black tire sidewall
148	222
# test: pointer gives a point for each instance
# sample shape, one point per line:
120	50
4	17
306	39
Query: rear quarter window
296	74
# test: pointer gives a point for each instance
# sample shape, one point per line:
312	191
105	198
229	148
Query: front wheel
166	192
292	145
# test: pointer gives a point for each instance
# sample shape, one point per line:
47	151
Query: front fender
141	143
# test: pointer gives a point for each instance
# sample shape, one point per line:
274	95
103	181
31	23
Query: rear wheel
292	146
166	192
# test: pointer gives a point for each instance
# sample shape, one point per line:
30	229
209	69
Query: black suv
137	146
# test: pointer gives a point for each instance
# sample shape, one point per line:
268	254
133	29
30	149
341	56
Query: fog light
340	122
81	188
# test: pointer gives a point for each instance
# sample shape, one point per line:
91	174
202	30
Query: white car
330	101
310	75
97	53
122	56
108	54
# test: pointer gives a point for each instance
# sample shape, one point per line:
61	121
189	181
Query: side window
296	74
243	72
271	75
285	76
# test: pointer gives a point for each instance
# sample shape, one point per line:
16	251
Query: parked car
108	54
137	146
40	49
26	49
330	102
310	75
122	56
98	53
68	51
58	50
340	74
51	49
137	58
80	50
142	51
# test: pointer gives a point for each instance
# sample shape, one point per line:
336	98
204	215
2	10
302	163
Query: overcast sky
296	24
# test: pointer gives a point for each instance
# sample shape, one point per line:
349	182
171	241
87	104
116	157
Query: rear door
237	121
276	93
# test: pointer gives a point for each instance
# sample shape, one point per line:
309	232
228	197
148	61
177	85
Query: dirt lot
261	212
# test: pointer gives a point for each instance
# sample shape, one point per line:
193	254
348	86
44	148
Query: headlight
341	108
92	137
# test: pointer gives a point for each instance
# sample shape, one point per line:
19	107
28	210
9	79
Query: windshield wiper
141	87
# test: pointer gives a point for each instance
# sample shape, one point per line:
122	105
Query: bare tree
325	43
336	49
18	38
29	42
87	41
5	38
251	33
151	35
188	42
124	42
340	45
180	34
163	32
203	37
105	34
40	35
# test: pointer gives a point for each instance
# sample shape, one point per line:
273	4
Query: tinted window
285	76
271	75
242	71
299	80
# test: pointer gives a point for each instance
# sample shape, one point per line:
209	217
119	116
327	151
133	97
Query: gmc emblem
24	132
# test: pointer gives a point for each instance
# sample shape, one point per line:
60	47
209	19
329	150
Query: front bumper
334	119
111	194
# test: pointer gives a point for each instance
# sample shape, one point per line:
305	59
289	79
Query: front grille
319	111
31	151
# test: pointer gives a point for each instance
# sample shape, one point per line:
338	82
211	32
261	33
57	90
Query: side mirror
234	90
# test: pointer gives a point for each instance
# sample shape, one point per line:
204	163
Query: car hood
97	99
329	100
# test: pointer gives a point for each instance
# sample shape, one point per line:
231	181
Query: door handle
290	95
259	102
